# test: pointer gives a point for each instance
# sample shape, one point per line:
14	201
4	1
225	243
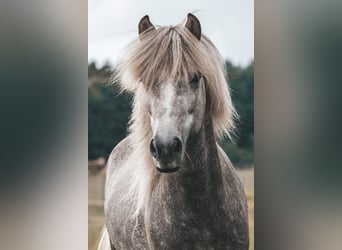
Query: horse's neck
201	173
192	193
202	148
202	153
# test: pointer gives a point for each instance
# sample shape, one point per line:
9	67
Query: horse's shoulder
234	191
120	153
122	147
224	159
229	172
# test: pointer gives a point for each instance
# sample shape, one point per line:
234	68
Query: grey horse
169	184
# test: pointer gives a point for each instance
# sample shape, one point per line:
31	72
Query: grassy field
95	207
247	178
95	204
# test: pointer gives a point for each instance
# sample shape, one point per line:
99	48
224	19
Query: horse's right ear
145	25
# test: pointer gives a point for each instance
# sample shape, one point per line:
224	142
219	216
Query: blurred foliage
109	113
241	82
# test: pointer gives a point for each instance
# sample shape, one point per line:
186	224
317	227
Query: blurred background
112	25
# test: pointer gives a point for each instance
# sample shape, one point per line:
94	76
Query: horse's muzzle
168	154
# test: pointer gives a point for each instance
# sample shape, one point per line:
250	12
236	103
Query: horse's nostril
153	149
166	152
177	145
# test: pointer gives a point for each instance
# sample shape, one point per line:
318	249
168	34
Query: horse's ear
194	26
145	24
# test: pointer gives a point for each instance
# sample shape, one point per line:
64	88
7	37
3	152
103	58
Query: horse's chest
177	226
178	230
178	220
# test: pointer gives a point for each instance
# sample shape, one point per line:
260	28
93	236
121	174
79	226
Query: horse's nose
166	152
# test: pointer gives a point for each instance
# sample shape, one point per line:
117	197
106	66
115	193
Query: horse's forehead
155	89
169	87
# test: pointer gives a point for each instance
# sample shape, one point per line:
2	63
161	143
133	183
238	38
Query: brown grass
247	178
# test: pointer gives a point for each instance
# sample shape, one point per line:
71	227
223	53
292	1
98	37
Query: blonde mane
157	55
172	52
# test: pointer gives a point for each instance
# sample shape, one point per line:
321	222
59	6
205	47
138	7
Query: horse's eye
194	81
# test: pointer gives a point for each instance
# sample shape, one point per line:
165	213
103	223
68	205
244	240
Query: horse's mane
172	52
157	55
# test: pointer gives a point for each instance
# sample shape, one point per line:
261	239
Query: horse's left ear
194	26
145	24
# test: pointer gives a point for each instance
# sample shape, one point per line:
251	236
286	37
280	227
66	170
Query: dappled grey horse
169	184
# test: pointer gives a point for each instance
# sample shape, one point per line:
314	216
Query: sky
112	24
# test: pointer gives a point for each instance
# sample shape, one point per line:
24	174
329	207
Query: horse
169	184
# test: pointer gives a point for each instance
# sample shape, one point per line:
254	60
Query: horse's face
176	110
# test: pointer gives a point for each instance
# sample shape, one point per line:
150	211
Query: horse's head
176	108
172	70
